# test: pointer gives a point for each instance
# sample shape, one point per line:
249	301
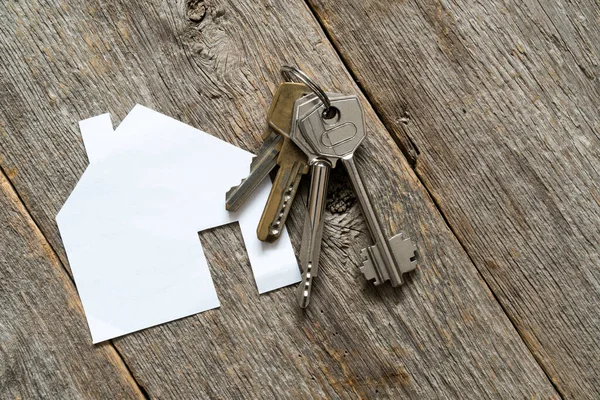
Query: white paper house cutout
130	226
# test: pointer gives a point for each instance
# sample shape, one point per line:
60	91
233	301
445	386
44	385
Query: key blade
292	165
405	253
310	250
261	165
305	287
374	268
368	269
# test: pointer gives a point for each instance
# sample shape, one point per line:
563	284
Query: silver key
325	141
321	162
310	250
261	165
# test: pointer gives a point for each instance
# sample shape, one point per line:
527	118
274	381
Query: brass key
292	162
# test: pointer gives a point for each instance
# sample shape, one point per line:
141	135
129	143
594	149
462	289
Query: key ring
291	73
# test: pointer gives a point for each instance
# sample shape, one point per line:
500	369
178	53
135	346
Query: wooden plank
498	105
45	351
215	65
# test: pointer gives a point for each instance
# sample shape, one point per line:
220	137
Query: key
278	119
292	165
325	141
320	167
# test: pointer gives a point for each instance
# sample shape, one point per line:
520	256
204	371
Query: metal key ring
290	72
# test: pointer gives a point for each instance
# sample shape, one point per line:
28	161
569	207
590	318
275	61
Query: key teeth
229	195
253	163
405	251
367	268
231	192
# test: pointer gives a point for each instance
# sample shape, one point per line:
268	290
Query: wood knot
404	118
196	10
340	198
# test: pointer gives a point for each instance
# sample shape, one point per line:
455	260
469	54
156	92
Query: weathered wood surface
44	343
215	65
498	104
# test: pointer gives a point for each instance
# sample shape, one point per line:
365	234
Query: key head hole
331	115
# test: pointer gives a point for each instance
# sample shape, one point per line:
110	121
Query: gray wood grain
215	65
498	105
45	349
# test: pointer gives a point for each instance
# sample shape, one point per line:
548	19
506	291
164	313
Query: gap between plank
412	162
141	389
